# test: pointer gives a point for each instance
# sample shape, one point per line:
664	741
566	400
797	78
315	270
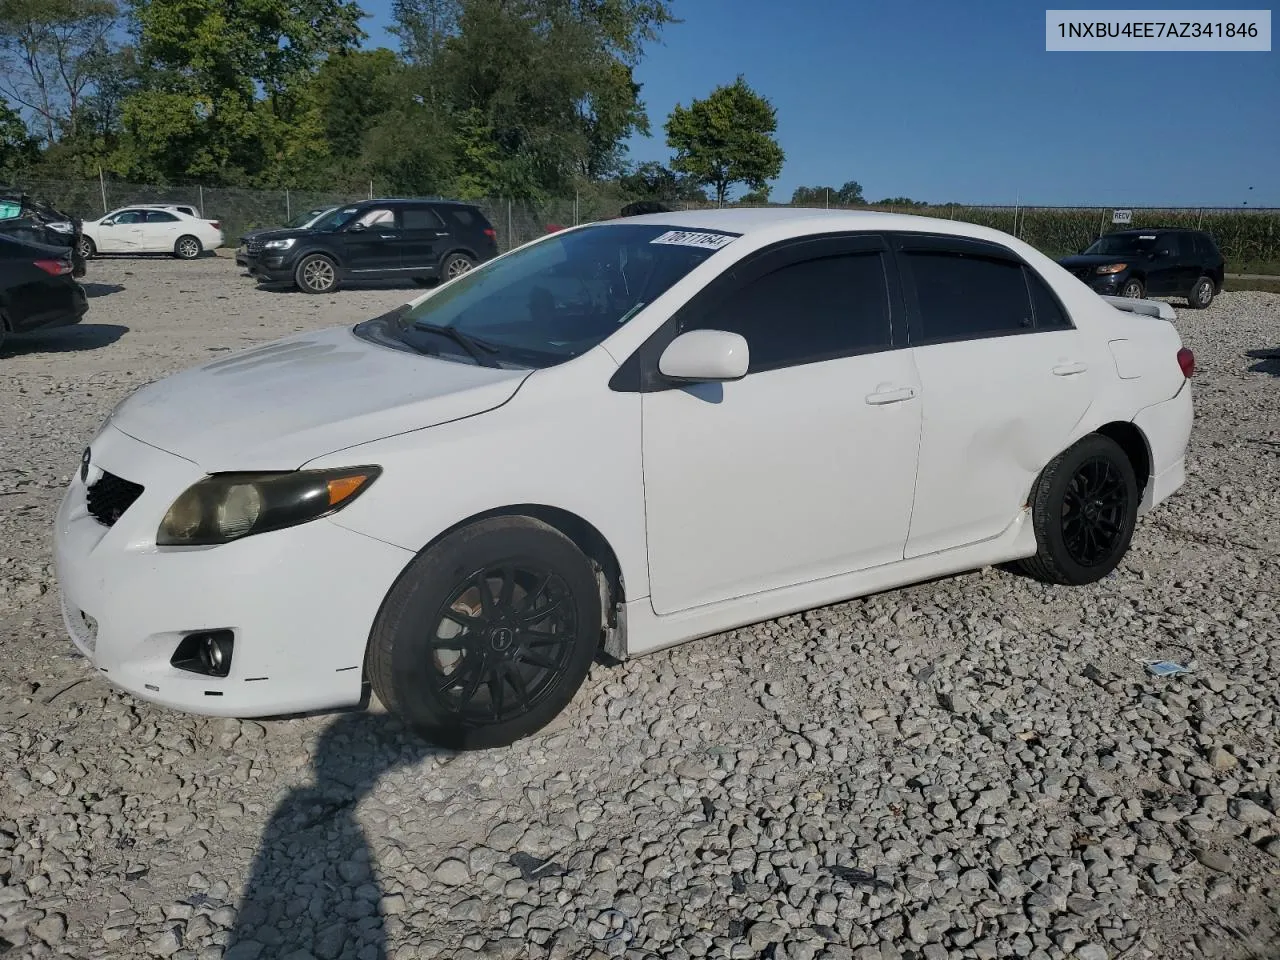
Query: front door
1006	378
805	468
123	234
371	244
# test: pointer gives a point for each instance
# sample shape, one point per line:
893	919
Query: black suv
1159	262
387	239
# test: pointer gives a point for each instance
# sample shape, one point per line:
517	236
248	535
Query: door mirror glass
705	356
356	227
106	223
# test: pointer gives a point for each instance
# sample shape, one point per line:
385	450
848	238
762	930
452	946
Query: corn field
1248	238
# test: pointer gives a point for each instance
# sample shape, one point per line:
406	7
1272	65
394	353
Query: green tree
226	98
18	149
901	202
726	139
48	53
850	195
653	181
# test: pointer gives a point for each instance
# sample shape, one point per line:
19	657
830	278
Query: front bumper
272	268
300	602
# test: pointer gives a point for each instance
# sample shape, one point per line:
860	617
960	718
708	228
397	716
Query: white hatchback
611	440
151	228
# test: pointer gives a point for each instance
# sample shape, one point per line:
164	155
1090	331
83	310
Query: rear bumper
1167	428
63	316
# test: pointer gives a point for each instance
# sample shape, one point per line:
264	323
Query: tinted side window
1049	312
159	216
463	216
1172	242
130	216
807	312
420	218
962	296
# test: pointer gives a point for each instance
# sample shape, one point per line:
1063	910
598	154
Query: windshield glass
1124	244
304	218
335	219
555	299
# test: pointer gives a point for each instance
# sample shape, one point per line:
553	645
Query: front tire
86	248
316	273
1083	510
1201	294
187	248
1133	289
488	635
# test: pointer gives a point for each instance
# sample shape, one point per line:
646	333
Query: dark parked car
385	239
34	221
1161	262
37	288
303	219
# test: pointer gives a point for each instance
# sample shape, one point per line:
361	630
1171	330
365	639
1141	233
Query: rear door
160	231
423	236
1165	272
1005	380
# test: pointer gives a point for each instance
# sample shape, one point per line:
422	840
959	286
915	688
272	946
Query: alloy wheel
188	249
457	267
502	642
318	274
1094	512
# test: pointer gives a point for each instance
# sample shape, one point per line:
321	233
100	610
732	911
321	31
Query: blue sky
959	101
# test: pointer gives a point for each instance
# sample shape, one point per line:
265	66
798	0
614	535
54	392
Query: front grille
253	247
110	496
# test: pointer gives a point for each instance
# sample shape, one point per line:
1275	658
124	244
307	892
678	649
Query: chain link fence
1249	237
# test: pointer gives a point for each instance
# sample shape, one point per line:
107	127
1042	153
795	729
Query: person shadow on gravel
313	890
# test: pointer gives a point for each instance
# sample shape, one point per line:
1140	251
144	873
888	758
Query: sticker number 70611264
685	238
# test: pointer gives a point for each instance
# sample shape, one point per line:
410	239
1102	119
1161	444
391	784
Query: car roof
434	200
805	220
1145	230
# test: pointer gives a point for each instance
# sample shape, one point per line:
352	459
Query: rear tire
1083	510
187	248
316	273
1133	289
455	265
1201	294
470	671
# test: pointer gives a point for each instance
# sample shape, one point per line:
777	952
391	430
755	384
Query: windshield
553	300
1123	244
302	219
335	219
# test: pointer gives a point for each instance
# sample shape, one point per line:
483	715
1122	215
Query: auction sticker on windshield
685	238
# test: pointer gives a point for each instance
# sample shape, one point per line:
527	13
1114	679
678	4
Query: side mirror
705	356
106	223
356	227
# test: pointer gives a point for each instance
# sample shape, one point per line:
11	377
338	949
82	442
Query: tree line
526	99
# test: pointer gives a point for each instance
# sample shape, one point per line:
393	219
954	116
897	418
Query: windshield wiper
469	344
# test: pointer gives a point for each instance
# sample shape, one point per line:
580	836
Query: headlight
278	244
62	227
227	506
1113	268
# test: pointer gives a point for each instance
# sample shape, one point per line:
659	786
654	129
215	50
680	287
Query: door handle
388	236
891	395
1068	369
442	233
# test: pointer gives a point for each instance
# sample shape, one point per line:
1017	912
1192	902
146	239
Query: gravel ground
978	767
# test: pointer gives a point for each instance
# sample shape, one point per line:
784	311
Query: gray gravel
978	767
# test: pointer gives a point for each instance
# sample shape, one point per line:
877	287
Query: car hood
1099	259
277	406
282	233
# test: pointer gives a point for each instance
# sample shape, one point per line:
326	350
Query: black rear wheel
1201	294
1084	507
488	635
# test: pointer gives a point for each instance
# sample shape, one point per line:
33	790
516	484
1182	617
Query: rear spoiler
1151	308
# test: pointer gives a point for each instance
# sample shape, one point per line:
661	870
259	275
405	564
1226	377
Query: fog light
207	652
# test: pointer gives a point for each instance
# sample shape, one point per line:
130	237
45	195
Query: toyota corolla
610	440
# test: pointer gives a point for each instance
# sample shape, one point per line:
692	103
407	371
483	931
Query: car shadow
82	336
92	289
313	885
1268	361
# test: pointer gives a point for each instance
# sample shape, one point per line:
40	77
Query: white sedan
150	229
616	438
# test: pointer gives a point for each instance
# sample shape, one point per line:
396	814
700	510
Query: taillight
1187	361
55	268
217	224
491	233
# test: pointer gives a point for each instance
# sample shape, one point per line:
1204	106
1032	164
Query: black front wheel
488	635
1083	508
1132	289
